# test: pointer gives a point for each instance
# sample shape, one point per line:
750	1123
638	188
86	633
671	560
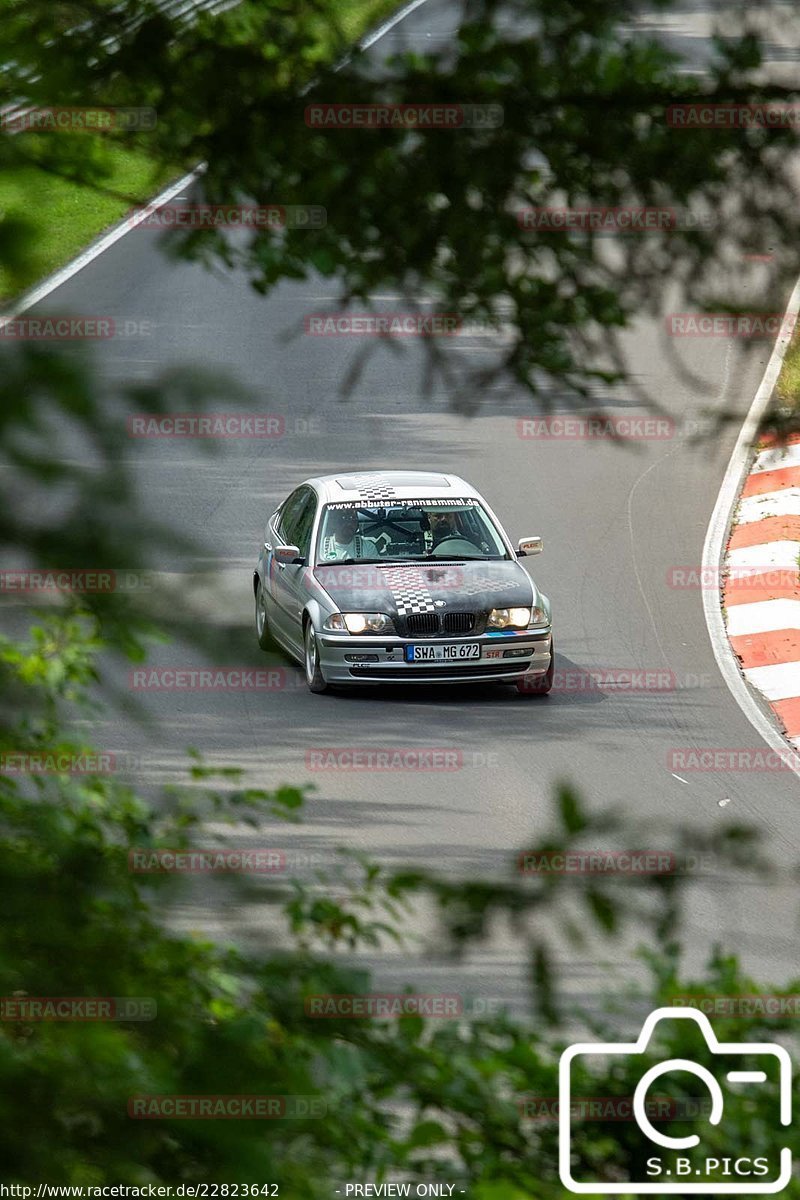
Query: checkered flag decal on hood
482	584
409	590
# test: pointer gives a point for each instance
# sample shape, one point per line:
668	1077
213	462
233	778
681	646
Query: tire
314	677
541	685
262	621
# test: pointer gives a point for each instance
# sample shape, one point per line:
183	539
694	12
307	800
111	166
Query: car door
294	528
274	535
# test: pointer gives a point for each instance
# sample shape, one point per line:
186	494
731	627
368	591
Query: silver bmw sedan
400	577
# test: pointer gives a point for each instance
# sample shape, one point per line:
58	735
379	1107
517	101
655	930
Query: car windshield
408	529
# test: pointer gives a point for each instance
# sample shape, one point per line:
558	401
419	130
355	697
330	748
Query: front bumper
337	652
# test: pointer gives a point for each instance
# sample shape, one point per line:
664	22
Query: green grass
63	217
358	16
788	388
783	417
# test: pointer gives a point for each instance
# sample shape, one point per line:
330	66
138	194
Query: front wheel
539	685
262	621
314	677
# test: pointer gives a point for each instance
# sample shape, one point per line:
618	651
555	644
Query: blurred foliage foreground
469	1099
589	111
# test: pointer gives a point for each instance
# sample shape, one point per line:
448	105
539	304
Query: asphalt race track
615	520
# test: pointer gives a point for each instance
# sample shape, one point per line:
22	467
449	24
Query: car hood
402	588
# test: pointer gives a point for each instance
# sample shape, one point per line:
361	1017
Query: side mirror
529	545
287	554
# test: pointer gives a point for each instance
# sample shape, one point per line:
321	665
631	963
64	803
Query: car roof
389	485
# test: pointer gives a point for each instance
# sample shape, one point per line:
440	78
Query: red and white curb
754	529
761	593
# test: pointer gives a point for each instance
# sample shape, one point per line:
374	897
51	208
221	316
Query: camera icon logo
669	1168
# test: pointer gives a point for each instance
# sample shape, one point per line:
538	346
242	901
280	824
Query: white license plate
455	652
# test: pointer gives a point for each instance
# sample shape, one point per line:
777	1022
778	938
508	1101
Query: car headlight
371	622
539	617
509	618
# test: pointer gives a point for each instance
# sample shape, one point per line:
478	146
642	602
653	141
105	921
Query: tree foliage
425	1099
400	1098
586	122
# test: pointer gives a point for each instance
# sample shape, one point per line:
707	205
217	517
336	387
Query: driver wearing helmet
342	539
443	525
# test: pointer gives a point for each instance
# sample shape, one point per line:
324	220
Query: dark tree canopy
588	120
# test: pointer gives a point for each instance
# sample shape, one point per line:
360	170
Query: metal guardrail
184	8
176	10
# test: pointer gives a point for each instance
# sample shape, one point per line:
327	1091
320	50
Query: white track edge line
388	26
97	247
106	240
731	484
716	536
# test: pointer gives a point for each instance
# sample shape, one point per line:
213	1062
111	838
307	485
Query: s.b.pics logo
732	1084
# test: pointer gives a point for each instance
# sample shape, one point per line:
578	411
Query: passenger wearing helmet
342	539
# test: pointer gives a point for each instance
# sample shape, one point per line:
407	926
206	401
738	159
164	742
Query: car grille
456	624
459	622
422	624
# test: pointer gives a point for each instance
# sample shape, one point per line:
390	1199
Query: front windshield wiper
426	558
358	562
